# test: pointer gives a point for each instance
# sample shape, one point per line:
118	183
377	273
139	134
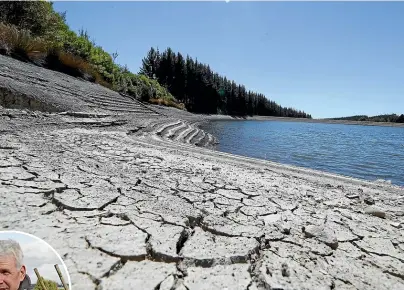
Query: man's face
10	276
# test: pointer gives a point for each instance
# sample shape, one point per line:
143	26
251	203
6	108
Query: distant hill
392	118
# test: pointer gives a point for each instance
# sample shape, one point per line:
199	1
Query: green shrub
38	17
33	31
19	43
49	284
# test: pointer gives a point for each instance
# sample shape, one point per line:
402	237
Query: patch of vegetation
20	43
204	91
32	31
392	118
168	103
49	284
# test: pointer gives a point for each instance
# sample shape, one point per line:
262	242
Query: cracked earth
130	202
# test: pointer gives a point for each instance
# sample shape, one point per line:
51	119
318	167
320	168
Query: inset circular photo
30	263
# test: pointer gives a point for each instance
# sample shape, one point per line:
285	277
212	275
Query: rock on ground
129	203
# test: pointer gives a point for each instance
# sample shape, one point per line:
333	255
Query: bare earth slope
130	203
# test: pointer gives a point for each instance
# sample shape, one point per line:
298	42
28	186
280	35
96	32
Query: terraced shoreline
129	201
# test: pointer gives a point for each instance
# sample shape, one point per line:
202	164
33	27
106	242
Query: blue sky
327	58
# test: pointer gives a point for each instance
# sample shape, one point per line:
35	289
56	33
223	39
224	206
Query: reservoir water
366	152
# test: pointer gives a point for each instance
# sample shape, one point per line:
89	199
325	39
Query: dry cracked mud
130	203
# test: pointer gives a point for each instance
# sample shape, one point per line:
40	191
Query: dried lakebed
127	211
123	194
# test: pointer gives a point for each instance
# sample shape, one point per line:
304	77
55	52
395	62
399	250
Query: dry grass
20	43
73	61
168	103
101	81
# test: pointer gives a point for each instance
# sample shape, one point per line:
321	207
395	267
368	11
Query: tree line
393	118
35	32
32	31
202	90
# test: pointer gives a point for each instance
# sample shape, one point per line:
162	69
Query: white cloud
38	255
37	251
47	271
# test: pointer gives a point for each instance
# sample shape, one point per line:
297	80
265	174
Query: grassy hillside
34	32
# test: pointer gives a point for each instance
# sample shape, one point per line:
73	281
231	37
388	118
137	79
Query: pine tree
203	91
400	119
179	81
150	63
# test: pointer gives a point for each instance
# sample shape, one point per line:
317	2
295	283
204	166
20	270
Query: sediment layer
129	202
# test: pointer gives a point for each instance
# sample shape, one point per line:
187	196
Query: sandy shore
130	202
287	119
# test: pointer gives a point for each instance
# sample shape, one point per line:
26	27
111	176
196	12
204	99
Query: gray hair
12	248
